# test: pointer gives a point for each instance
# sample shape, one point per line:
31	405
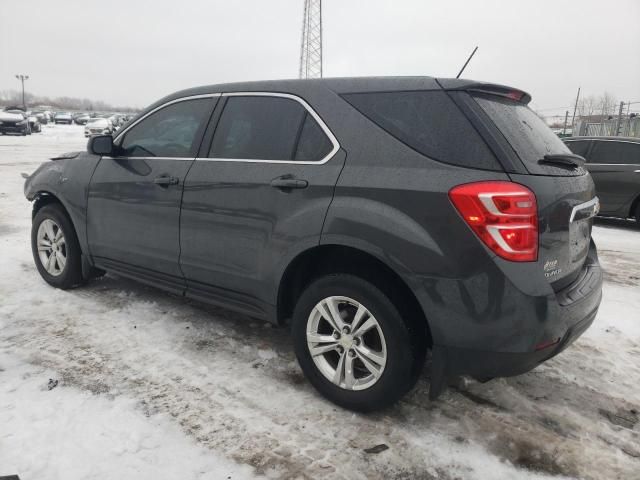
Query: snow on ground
155	386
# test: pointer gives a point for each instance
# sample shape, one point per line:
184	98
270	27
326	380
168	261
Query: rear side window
430	123
268	128
314	143
579	147
170	132
527	133
615	152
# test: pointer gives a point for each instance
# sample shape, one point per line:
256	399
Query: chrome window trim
591	139
616	164
301	101
594	202
308	108
191	159
171	102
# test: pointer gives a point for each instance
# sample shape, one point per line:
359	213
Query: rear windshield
527	133
430	123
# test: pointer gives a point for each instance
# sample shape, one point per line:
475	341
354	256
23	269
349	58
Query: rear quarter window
428	122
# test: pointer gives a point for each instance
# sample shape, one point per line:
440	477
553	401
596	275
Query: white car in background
98	126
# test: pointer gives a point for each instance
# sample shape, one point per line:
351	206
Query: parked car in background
98	126
614	164
34	124
63	117
350	209
81	118
41	116
14	121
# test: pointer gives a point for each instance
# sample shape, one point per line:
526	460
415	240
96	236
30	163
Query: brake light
503	214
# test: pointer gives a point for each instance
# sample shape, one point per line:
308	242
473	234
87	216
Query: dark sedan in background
614	164
14	121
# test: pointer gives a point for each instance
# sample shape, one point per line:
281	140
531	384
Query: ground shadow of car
610	222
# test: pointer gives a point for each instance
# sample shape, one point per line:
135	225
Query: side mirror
100	145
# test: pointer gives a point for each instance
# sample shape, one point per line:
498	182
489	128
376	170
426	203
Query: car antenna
467	62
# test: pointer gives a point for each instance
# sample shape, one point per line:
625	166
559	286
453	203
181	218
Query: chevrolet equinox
380	217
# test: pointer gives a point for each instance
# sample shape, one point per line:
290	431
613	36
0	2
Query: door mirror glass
100	145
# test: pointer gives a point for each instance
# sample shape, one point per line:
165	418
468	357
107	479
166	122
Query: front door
260	195
133	217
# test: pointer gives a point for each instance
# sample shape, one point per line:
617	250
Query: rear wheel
55	247
638	214
353	344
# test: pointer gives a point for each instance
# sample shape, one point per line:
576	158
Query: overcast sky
131	52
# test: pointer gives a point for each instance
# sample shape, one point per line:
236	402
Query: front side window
170	132
268	128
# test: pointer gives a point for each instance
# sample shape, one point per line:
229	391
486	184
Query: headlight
23	122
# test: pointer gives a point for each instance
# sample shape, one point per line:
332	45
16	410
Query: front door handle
287	182
165	180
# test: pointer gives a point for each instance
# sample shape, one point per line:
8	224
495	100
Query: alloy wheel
52	247
346	343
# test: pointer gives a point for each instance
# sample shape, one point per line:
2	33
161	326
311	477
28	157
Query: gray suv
379	217
614	164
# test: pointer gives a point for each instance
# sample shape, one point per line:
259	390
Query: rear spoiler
452	84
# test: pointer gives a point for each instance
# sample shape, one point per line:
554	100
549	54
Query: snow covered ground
154	386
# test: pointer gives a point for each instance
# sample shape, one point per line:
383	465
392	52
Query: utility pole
619	122
311	45
564	129
22	78
573	119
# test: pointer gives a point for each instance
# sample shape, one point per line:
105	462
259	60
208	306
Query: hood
11	117
66	156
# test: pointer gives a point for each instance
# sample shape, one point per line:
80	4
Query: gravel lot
154	386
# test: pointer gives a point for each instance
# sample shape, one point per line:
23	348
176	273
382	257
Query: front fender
67	179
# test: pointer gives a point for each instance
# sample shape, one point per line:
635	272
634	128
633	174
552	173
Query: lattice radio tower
311	47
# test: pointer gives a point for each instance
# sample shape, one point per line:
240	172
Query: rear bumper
486	364
519	331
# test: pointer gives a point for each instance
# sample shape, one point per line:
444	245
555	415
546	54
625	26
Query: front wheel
353	344
55	247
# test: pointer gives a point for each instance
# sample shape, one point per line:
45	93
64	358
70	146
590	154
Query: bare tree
597	107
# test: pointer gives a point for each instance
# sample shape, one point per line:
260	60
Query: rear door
258	194
615	168
565	194
134	198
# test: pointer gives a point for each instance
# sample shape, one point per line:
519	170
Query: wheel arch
44	198
336	258
635	206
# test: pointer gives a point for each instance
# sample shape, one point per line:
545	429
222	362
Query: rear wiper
563	160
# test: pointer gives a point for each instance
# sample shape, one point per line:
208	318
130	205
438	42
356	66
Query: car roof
608	139
338	85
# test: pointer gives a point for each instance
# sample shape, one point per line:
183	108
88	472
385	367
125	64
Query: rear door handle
287	183
165	180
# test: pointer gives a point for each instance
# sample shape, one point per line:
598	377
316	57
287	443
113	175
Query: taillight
503	214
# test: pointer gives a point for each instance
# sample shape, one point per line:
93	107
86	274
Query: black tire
71	275
405	349
638	214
